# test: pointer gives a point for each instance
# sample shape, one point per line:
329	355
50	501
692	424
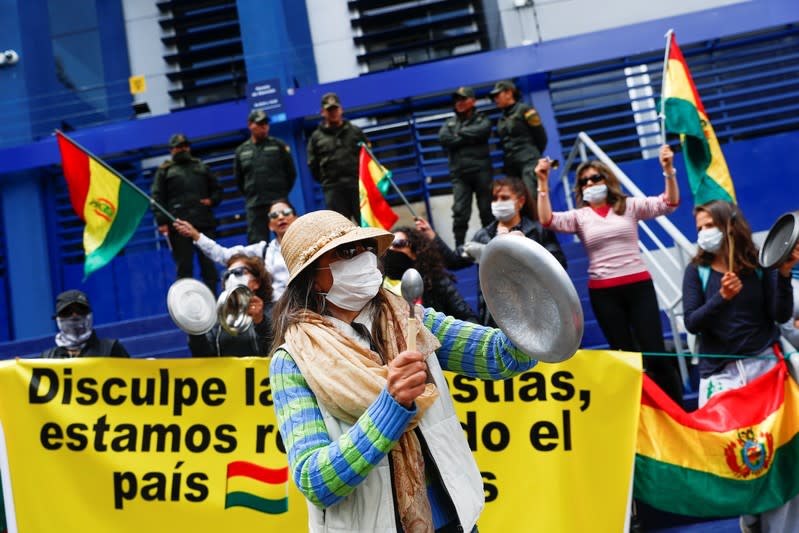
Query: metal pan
531	298
780	240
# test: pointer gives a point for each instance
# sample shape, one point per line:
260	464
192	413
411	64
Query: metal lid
192	306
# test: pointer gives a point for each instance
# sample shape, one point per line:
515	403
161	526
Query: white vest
370	507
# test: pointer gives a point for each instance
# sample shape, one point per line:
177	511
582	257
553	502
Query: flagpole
105	165
387	175
668	36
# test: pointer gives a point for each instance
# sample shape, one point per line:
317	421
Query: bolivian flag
257	487
707	170
373	183
739	454
110	207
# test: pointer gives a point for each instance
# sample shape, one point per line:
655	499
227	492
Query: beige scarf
347	378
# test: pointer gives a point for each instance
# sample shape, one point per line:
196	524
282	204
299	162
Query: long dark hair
300	296
745	253
616	198
273	203
429	261
256	266
517	186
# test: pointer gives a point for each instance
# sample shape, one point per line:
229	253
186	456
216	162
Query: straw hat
313	234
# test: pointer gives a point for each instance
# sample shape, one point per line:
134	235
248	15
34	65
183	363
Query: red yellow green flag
257	487
373	183
738	454
110	207
707	170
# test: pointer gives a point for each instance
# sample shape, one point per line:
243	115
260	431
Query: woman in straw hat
372	438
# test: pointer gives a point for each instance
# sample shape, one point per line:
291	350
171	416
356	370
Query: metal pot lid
531	298
192	306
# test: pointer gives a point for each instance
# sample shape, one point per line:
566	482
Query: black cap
463	92
330	100
502	85
178	139
72	296
258	116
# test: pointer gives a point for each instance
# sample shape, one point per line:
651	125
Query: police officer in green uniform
188	189
521	134
333	153
264	171
465	136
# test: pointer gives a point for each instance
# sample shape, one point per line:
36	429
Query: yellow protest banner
556	444
99	445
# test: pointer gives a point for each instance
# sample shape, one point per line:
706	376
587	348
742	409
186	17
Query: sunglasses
596	178
351	249
285	212
73	310
400	243
238	272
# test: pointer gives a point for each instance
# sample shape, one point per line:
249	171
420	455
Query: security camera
9	57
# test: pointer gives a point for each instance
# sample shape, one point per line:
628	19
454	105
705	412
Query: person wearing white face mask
620	287
514	210
734	310
246	270
372	438
76	336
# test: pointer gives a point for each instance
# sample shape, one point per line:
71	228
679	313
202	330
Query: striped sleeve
475	350
563	222
326	471
650	207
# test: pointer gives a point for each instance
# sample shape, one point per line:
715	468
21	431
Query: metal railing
670	262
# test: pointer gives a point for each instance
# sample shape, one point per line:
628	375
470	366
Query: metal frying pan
531	298
780	240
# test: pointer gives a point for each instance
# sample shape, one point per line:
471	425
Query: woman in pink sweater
619	285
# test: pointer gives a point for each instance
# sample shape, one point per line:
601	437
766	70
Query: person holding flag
620	287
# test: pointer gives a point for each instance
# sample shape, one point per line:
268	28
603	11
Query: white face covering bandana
74	331
710	239
503	210
596	194
355	281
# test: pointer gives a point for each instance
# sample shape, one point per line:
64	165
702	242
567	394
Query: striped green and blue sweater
327	471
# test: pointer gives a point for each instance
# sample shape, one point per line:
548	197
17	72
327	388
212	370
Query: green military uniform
466	141
264	172
523	139
333	158
179	185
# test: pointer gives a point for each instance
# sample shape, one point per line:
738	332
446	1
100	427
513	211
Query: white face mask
710	239
355	281
595	194
503	210
234	281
